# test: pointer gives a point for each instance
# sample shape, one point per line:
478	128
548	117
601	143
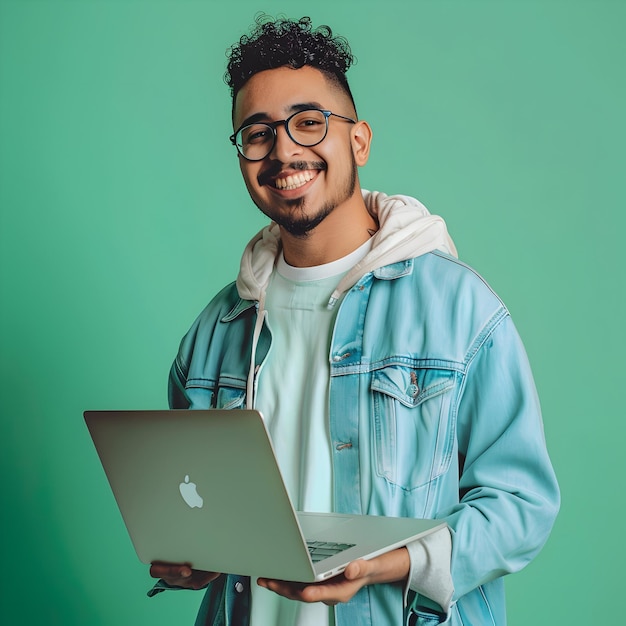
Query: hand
181	575
390	567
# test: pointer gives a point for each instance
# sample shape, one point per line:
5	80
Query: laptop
203	487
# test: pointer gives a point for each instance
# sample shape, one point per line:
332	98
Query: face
297	186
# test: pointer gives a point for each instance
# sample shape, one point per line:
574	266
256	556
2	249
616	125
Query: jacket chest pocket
412	423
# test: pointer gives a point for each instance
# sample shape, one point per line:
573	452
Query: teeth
294	180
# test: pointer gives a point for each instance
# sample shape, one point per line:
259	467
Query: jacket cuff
161	586
429	574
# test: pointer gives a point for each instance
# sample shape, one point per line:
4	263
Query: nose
285	148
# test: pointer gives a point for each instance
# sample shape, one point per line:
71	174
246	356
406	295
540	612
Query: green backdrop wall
122	212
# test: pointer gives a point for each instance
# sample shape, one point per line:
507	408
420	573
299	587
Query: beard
301	220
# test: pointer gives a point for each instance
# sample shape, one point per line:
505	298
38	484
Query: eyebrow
293	108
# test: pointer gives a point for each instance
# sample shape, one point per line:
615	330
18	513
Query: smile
293	181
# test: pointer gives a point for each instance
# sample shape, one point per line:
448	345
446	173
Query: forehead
274	92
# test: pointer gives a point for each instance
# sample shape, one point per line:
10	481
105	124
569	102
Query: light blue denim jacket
431	387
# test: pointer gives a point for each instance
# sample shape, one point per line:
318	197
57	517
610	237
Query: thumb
356	569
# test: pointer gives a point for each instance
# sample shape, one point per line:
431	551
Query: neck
343	231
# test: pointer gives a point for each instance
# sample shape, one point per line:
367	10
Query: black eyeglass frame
285	122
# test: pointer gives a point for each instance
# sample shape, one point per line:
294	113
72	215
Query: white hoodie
406	230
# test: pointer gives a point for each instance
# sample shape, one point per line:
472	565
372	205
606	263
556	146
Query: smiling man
392	378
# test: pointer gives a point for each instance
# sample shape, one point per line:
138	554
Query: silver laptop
204	487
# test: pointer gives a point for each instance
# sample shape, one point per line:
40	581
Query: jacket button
413	390
238	586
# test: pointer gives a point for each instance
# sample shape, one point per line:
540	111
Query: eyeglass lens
306	128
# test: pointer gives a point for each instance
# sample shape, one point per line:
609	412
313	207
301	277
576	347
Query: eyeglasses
306	128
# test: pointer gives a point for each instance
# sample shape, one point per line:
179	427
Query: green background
122	212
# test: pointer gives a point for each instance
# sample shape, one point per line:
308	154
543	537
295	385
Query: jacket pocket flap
412	385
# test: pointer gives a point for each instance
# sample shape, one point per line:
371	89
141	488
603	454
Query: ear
361	136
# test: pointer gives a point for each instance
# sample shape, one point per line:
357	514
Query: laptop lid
203	487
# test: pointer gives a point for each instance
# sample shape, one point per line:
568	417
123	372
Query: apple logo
190	495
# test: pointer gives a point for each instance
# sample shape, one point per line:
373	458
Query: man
411	388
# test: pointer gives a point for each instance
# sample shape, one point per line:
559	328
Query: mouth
294	181
292	177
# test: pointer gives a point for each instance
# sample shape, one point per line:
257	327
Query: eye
308	121
256	134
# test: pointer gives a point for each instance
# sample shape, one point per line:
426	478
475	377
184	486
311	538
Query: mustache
277	167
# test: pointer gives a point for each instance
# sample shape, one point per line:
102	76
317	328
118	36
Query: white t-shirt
293	387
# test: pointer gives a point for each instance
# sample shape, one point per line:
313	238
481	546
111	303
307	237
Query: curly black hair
280	42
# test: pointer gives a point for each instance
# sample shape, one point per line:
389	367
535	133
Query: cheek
337	153
249	175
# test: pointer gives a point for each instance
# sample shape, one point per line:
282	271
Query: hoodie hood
406	230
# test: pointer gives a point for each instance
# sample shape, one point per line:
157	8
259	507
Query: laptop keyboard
320	550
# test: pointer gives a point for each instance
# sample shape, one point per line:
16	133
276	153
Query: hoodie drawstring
258	327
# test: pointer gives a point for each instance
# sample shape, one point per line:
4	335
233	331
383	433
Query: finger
181	575
282	587
358	569
170	570
329	592
301	592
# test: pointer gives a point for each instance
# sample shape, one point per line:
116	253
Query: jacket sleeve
509	496
217	341
176	396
